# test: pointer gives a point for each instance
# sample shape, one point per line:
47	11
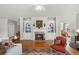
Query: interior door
11	29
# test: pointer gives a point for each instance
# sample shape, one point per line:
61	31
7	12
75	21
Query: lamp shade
15	37
77	31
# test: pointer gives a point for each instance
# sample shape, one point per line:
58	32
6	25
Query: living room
27	29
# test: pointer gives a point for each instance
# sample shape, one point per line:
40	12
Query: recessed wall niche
51	24
27	25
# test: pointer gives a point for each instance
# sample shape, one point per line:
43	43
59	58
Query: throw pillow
7	44
57	42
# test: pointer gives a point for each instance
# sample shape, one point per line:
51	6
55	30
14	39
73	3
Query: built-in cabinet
27	26
30	26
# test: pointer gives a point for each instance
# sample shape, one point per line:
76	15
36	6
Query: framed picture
39	23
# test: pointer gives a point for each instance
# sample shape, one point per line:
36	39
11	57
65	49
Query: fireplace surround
39	36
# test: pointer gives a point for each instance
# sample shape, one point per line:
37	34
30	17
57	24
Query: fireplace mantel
39	33
39	36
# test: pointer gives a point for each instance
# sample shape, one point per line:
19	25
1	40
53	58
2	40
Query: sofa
9	48
15	50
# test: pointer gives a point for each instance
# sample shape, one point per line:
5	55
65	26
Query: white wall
77	21
3	28
70	20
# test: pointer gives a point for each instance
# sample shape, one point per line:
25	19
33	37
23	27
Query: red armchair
59	44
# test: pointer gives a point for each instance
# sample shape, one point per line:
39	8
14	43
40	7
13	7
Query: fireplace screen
39	37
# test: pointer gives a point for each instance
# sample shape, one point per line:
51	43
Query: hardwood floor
35	44
43	44
40	44
26	44
72	51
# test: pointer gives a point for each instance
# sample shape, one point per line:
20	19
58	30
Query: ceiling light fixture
40	8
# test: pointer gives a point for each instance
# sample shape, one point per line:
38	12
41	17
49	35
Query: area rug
44	53
72	45
40	53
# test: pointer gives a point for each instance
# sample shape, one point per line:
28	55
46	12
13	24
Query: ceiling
18	10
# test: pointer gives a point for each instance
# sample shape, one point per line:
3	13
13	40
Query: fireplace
39	36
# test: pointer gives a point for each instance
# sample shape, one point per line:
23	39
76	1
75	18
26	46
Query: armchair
59	44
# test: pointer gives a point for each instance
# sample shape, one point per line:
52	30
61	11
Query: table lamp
15	37
77	31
